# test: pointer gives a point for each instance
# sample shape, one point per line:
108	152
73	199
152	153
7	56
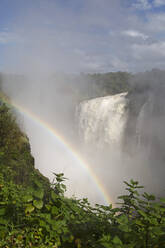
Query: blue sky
82	35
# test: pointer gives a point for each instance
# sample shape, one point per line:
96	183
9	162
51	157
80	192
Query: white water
102	124
102	120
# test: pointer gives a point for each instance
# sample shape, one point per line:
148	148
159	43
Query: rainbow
61	140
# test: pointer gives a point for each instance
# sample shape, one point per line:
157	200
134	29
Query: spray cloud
41	56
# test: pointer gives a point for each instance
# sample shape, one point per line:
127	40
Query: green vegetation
87	86
110	83
36	213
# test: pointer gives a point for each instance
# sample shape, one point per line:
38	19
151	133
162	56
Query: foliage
110	83
35	218
36	213
86	86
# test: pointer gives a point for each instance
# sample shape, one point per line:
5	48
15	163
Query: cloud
156	22
142	4
147	5
158	3
118	63
89	35
152	52
134	34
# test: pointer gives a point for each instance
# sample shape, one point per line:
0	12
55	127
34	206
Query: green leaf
3	221
117	241
39	194
53	196
123	219
2	211
42	223
162	200
149	197
139	223
48	206
38	204
38	183
125	228
46	217
54	210
142	213
29	209
28	198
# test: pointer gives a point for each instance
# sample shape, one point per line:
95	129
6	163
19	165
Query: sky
82	35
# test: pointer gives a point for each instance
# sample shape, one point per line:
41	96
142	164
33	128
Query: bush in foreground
31	217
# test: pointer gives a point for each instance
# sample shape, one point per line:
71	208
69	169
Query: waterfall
128	132
102	120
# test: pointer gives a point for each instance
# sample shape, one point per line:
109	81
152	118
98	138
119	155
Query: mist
53	103
119	139
45	79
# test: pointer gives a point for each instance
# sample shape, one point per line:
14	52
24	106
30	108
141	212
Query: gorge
119	136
